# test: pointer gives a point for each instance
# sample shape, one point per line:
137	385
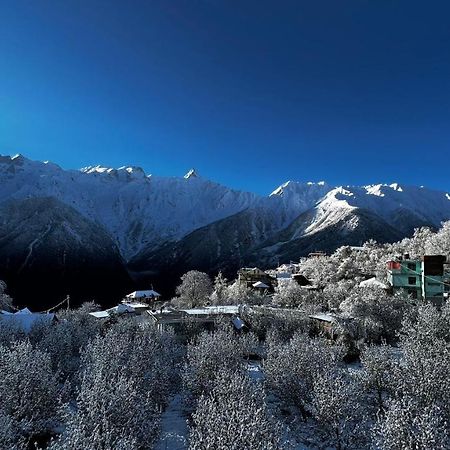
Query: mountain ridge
160	225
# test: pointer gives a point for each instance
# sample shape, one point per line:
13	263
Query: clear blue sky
251	93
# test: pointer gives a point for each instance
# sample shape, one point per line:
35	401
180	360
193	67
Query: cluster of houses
427	278
147	306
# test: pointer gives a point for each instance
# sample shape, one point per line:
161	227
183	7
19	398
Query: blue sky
250	93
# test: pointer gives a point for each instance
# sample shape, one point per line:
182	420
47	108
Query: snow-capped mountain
146	225
138	211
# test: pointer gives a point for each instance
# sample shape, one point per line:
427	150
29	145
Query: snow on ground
174	430
254	371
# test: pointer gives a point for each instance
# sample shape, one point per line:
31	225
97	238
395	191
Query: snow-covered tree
409	425
439	243
422	372
292	368
219	295
11	436
233	415
29	389
292	295
10	333
239	294
139	352
127	376
336	293
338	409
194	290
320	270
111	413
6	302
377	375
65	339
379	315
212	352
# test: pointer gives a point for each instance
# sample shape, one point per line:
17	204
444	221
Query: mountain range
98	232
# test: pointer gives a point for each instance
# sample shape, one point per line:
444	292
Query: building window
412	266
411	280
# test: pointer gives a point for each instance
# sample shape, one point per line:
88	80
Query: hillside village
325	352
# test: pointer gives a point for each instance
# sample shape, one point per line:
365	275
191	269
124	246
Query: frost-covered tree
29	389
320	270
338	409
6	302
65	339
409	425
239	294
111	413
439	243
233	415
422	372
10	333
212	352
127	376
379	315
336	293
292	368
194	290
292	295
139	352
11	437
378	364
219	295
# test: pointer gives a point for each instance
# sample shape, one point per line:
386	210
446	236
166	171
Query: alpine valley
99	232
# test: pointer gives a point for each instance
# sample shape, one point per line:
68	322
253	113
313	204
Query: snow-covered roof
373	283
324	317
119	309
260	284
122	308
284	275
144	294
136	305
210	310
100	314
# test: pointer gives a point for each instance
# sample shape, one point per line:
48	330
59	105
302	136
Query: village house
423	279
254	278
176	319
148	296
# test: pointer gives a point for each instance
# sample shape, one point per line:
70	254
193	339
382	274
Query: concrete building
423	279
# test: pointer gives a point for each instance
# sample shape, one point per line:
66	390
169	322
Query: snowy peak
127	172
191	174
295	188
295	197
